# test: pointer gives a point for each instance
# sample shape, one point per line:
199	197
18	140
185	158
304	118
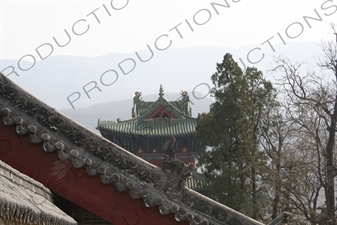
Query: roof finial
161	91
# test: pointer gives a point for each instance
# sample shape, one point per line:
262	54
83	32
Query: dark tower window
184	145
139	145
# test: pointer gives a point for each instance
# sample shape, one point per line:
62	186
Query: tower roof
159	118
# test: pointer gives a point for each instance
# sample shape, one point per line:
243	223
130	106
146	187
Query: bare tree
292	172
311	106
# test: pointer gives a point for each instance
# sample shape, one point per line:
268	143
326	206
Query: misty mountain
57	77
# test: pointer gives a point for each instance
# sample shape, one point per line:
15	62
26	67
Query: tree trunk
276	200
330	185
254	192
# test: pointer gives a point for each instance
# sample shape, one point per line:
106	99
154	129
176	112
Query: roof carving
113	164
25	200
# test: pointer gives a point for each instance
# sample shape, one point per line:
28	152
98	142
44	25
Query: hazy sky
36	30
128	26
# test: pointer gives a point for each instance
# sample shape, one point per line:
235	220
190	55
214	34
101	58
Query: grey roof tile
26	200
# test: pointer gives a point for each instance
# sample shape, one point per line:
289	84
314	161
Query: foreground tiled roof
113	164
25	200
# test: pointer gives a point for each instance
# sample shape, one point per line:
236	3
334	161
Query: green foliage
230	132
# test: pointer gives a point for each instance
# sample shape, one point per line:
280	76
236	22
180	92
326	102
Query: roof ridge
157	104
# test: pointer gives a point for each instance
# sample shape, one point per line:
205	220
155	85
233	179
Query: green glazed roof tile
150	128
